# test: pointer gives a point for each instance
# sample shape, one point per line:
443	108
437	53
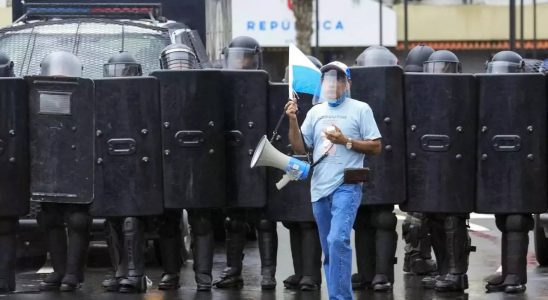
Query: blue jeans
335	215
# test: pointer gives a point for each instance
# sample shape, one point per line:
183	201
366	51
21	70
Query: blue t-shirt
355	119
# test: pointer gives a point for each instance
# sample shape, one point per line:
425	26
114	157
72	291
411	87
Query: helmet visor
179	60
122	70
504	67
441	67
241	59
69	70
376	60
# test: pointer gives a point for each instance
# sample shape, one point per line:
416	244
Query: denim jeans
335	215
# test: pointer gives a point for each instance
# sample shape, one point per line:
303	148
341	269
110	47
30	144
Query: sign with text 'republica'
343	23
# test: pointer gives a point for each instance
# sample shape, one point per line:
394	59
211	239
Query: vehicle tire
541	243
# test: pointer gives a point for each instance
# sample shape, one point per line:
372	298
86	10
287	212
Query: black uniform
515	227
415	230
14	187
126	238
375	225
245	53
449	234
68	255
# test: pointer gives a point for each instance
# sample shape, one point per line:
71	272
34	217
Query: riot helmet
61	63
178	57
315	61
6	66
122	64
442	61
506	62
243	53
416	58
376	56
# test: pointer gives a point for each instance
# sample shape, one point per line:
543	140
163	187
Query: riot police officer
245	53
415	231
514	227
450	239
181	57
126	235
9	219
304	241
375	225
68	256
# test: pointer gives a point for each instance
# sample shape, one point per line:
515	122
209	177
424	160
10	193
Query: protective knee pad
169	225
8	225
79	221
266	225
234	225
362	218
500	221
201	225
385	220
519	222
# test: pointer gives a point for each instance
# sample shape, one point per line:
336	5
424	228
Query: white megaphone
267	156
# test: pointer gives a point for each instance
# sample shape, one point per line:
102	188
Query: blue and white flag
304	76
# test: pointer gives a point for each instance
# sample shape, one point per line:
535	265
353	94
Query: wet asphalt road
485	261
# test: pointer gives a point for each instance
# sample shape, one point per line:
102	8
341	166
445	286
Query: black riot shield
193	138
245	97
292	203
61	132
441	119
14	148
128	178
382	89
511	144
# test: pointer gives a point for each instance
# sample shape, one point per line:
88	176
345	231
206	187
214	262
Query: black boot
295	242
494	283
115	243
386	240
8	245
421	262
364	238
170	249
78	223
514	267
134	244
311	256
458	251
268	250
203	244
231	277
50	219
438	239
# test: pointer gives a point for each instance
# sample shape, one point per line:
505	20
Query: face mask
338	101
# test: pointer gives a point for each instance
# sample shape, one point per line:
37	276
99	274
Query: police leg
8	245
311	257
78	223
236	229
364	238
203	244
418	259
115	243
170	248
458	245
295	242
514	266
134	248
437	235
386	240
268	250
50	219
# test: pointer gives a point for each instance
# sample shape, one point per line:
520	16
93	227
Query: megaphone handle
283	182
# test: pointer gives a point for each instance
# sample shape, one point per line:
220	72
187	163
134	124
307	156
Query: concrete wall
468	22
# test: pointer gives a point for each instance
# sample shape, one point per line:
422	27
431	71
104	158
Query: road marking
478	228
